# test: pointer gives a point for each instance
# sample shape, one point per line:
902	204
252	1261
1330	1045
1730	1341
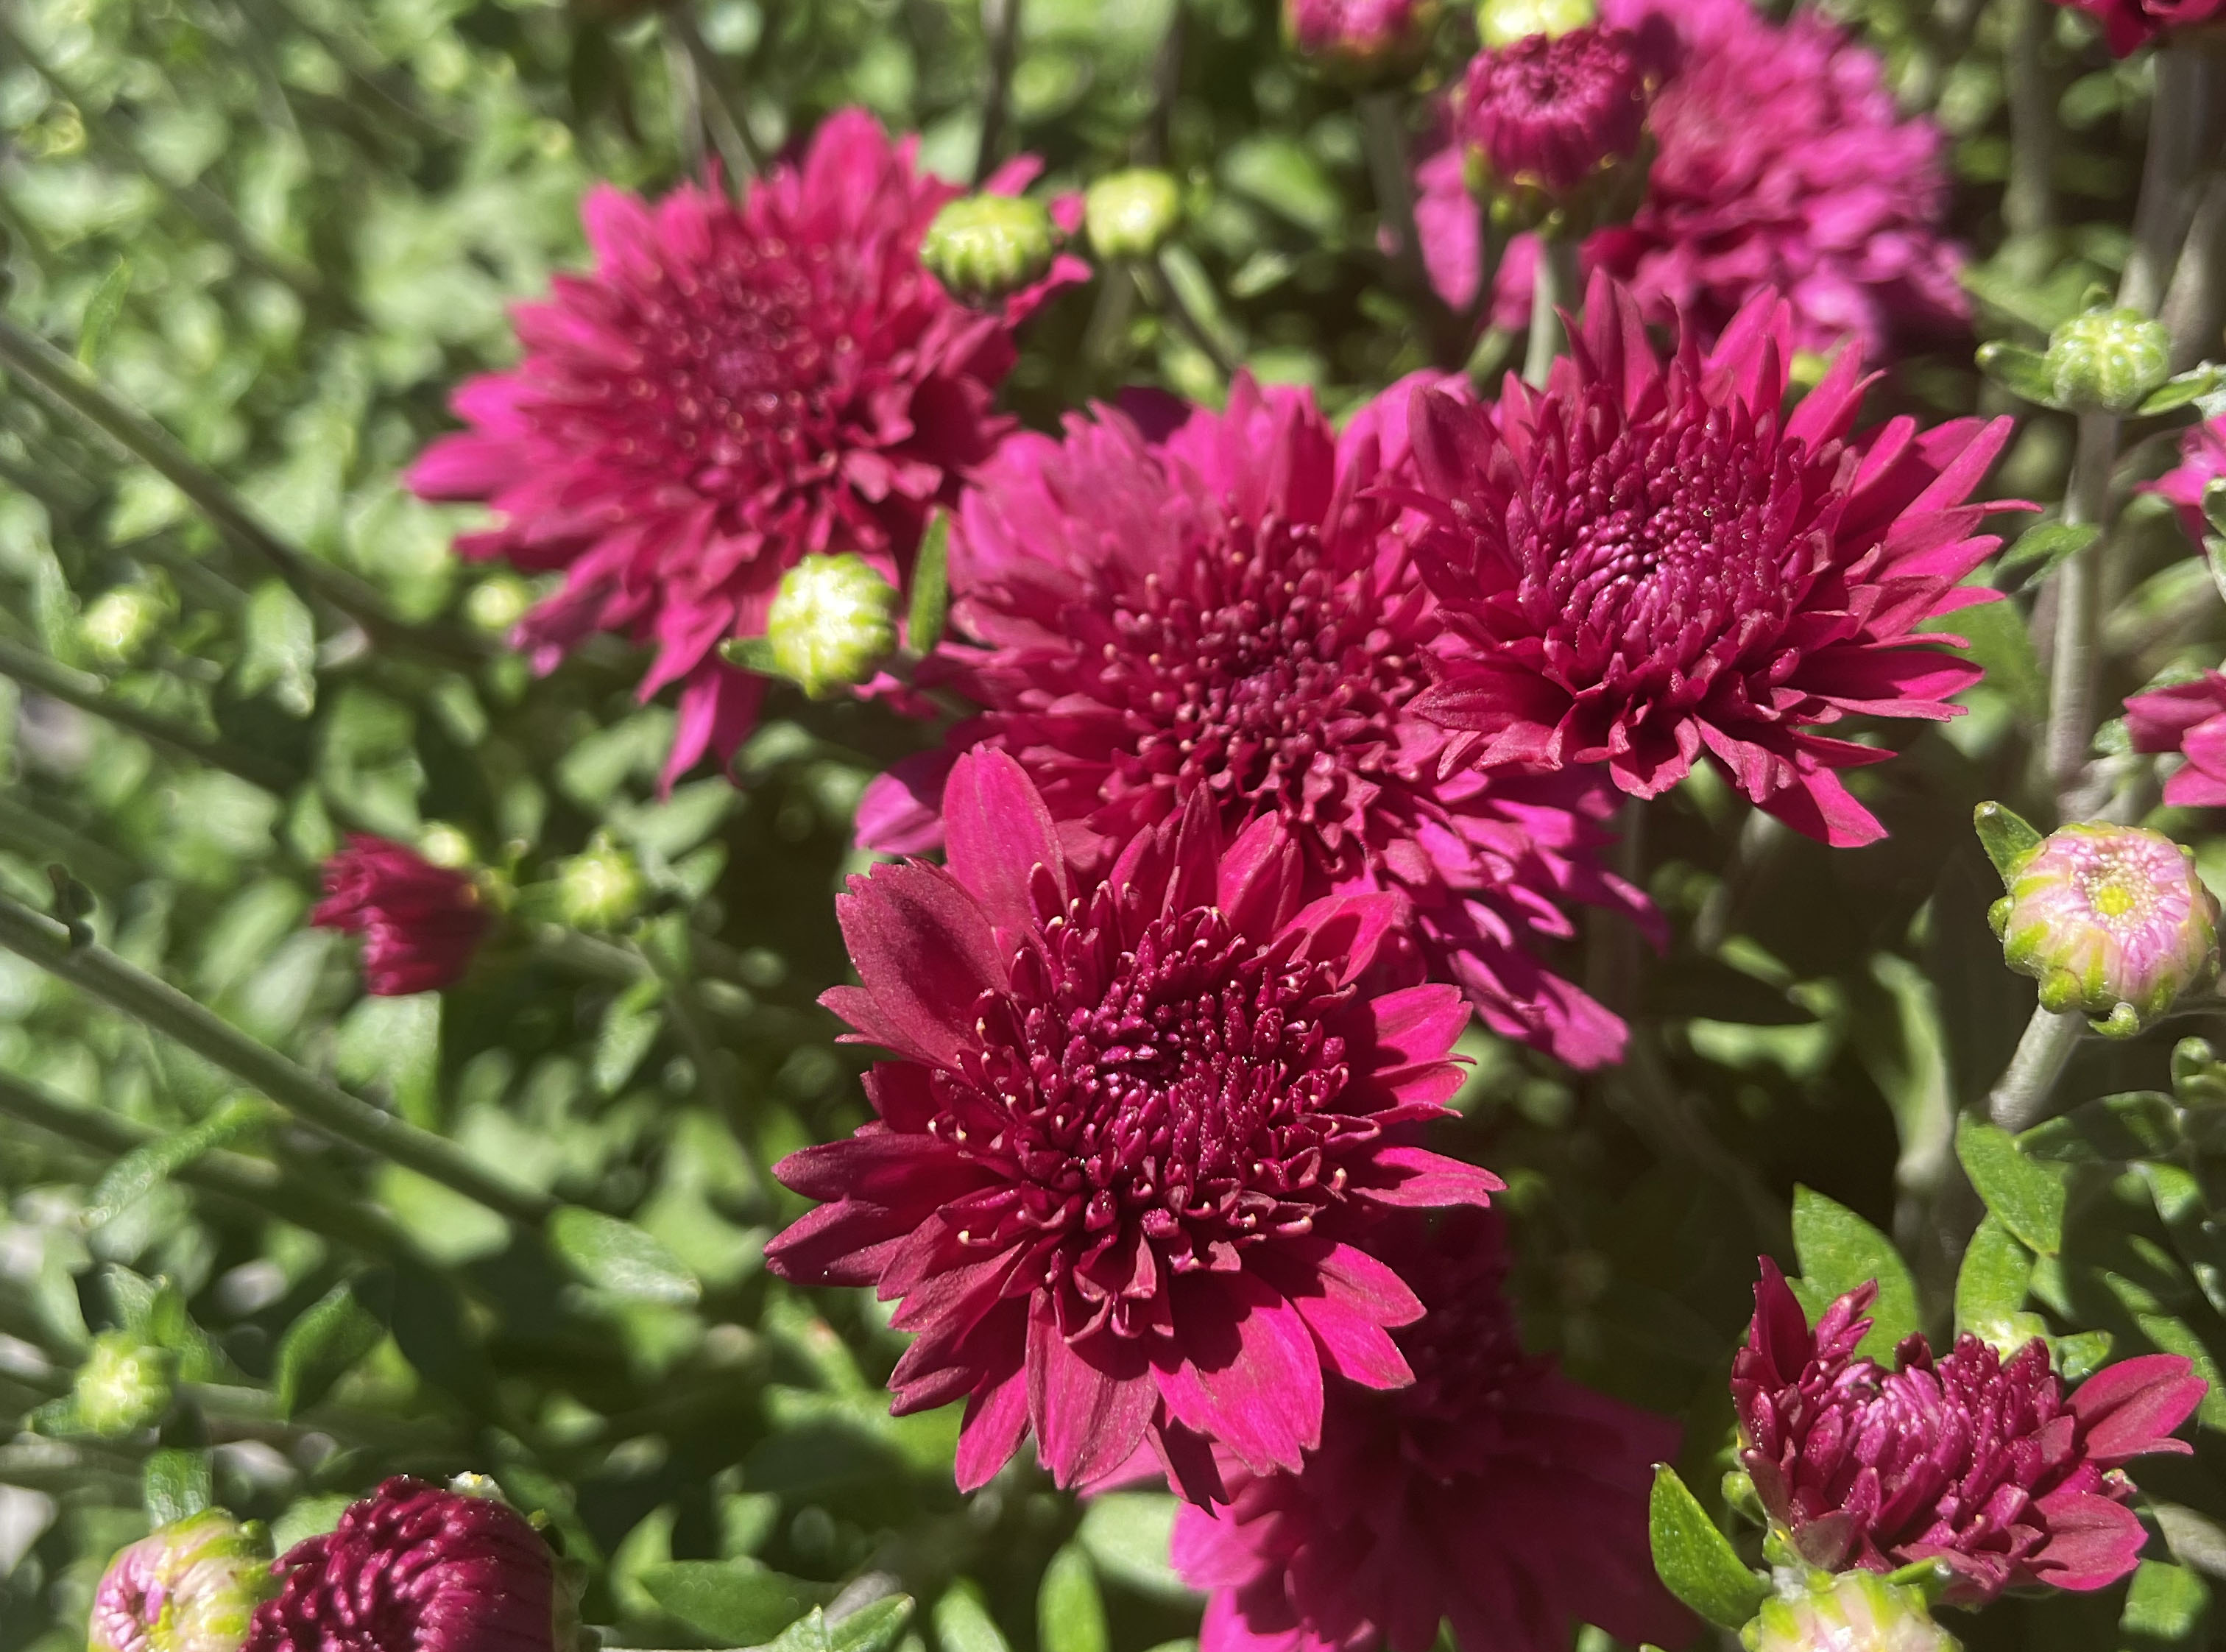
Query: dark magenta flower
420	923
1982	1463
1494	1492
2129	25
2189	718
1549	111
1134	1138
2202	461
736	385
1654	564
1182	602
1361	39
413	1566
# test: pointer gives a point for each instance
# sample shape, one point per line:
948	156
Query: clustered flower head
190	1587
1548	112
1367	41
420	923
2129	25
1492	1491
736	385
1654	564
1982	1463
414	1566
1229	608
2189	718
1132	1139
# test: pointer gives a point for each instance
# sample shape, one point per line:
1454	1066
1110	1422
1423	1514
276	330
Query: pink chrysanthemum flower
420	923
2129	25
2189	718
1133	1139
736	385
1494	1492
2202	461
1371	39
192	1585
1551	110
414	1566
1653	564
1980	1463
1781	163
1227	609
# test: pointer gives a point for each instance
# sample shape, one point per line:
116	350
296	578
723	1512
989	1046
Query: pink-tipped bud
1368	42
420	923
1550	121
190	1587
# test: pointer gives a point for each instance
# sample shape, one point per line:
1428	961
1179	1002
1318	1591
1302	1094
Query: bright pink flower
420	923
1781	163
2189	718
736	385
1552	110
2129	25
414	1566
1133	1139
2202	461
1224	607
1653	564
1979	1463
1494	1491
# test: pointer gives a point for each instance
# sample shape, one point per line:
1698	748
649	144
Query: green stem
2076	655
2180	140
2020	1098
1390	170
1554	290
2029	200
1165	297
313	1100
1001	34
730	132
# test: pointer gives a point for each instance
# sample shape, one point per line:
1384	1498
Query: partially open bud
1131	214
833	622
190	1587
2110	919
601	888
985	248
1553	126
2109	359
1362	42
124	1384
1501	23
1855	1611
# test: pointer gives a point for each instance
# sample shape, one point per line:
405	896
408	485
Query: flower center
2121	888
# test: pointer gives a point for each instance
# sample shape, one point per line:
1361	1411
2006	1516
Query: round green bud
833	622
1855	1611
601	888
120	623
497	603
192	1586
1131	214
2109	359
124	1385
1501	23
983	248
444	845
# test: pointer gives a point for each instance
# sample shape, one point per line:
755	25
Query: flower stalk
1001	33
1555	290
1390	171
2074	658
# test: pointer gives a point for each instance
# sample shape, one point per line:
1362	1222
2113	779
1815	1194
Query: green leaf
872	1628
1990	1287
1696	1561
281	652
393	1044
1840	1251
2046	545
2082	1355
101	311
2178	391
630	1028
2135	1125
750	654
930	587
2165	1607
2027	1195
1995	640
139	1171
177	1484
1069	1612
2185	1212
1126	1535
321	1346
963	1622
2018	370
1282	175
740	1602
2005	835
618	1257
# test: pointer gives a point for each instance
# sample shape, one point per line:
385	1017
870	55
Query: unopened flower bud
1130	214
1362	42
983	248
444	845
2107	359
1501	23
1855	1611
192	1587
497	603
1553	125
833	622
124	1384
601	888
2110	919
120	623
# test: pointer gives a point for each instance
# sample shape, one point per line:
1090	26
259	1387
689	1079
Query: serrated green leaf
618	1257
1840	1251
1126	1535
2133	1125
2042	547
176	1484
930	587
963	1622
1696	1562
1070	1613
280	655
1990	1286
739	1602
136	1172
321	1347
101	311
2028	1196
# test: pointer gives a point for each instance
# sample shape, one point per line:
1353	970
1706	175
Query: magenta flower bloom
2189	718
420	923
2129	25
1654	565
1369	39
1133	1139
414	1566
1551	111
1494	1491
1781	164
1224	607
2202	461
1982	1463
736	385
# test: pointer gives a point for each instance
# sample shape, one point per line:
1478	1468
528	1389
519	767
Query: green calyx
983	248
833	622
2107	359
599	888
1854	1611
1131	214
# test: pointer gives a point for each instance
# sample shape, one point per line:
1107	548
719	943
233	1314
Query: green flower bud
2111	359
1855	1611
190	1587
444	845
599	888
120	623
1131	214
1501	23
983	248
833	622
124	1385
497	603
